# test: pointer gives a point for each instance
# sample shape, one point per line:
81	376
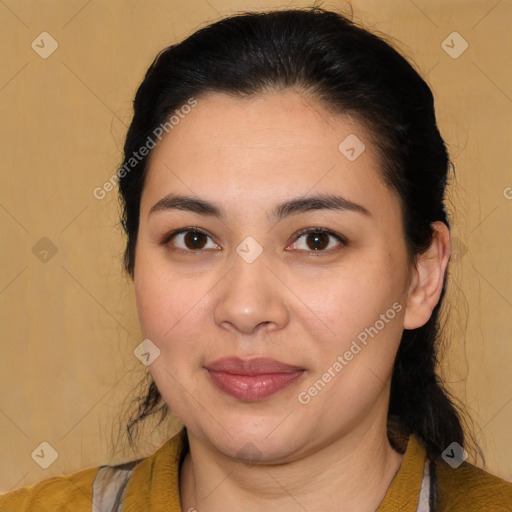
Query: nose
251	297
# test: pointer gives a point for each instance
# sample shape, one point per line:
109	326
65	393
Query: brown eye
318	240
194	240
188	240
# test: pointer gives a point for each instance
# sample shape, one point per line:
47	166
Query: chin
252	441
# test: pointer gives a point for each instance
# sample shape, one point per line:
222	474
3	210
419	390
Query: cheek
155	293
350	300
355	360
168	318
171	309
164	306
363	309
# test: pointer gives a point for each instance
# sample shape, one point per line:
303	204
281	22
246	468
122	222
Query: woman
283	191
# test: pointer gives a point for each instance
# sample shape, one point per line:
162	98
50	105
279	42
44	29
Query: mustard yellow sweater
153	486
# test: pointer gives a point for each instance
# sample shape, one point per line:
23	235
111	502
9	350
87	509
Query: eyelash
317	230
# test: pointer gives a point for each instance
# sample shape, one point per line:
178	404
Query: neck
347	474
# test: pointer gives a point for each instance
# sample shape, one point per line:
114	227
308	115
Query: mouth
252	379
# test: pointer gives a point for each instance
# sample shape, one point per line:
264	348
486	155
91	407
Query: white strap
108	488
423	503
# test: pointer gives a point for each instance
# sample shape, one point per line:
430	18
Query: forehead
262	148
272	121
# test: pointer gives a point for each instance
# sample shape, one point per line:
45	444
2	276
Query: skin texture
293	304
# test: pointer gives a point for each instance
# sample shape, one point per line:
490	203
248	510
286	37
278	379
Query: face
310	322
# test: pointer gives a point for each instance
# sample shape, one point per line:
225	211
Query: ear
427	281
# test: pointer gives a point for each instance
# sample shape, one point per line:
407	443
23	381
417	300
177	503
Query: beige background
69	324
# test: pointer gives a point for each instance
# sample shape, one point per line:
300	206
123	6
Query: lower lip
253	387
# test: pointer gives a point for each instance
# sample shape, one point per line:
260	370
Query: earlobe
429	274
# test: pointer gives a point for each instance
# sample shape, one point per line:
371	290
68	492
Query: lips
252	379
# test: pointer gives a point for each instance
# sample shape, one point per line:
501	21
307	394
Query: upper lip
255	366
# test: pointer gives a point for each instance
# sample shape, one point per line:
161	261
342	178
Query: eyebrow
282	210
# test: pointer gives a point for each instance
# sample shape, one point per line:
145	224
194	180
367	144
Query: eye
193	239
317	239
189	239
